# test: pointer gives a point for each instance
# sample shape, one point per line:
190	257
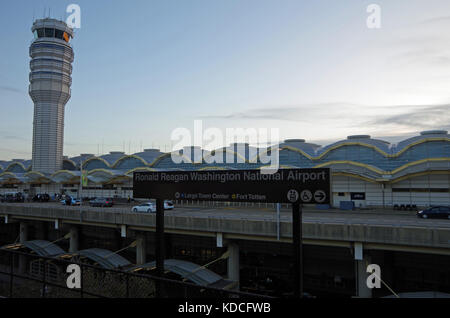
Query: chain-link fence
24	275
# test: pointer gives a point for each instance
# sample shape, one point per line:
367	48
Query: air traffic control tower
50	80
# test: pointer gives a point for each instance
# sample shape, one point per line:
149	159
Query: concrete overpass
375	229
358	230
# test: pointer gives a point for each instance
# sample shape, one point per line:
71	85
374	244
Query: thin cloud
11	89
423	117
301	113
398	119
296	113
12	137
437	19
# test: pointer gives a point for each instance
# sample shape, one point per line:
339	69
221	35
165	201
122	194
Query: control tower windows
40	33
59	34
49	33
52	33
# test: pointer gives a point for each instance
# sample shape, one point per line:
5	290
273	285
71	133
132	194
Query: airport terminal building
370	172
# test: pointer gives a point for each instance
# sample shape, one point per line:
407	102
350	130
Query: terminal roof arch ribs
140	169
40	247
379	171
12	178
418	162
323	151
193	272
102	175
281	148
119	178
352	163
118	161
95	158
73	163
16	163
183	157
104	258
214	168
414	141
65	176
37	177
223	151
281	167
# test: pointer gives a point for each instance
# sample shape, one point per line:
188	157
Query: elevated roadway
376	229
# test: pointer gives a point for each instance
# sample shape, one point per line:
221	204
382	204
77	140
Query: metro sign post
295	186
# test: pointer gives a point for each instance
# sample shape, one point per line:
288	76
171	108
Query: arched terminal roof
301	144
428	134
358	140
359	155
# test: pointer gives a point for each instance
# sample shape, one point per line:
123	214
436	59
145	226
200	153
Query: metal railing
24	275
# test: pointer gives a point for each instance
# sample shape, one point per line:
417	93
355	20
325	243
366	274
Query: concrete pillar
23	237
23	232
74	241
233	263
140	249
361	278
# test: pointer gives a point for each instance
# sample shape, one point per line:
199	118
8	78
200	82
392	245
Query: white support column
219	240
362	261
74	240
23	237
233	263
140	249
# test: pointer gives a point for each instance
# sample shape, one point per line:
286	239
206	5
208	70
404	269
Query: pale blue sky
311	68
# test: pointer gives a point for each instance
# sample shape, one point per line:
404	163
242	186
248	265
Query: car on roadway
10	197
147	207
41	197
72	201
150	207
168	205
102	202
435	212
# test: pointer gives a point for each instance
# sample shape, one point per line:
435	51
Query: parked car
168	205
148	207
71	200
13	197
151	207
41	198
102	202
435	212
